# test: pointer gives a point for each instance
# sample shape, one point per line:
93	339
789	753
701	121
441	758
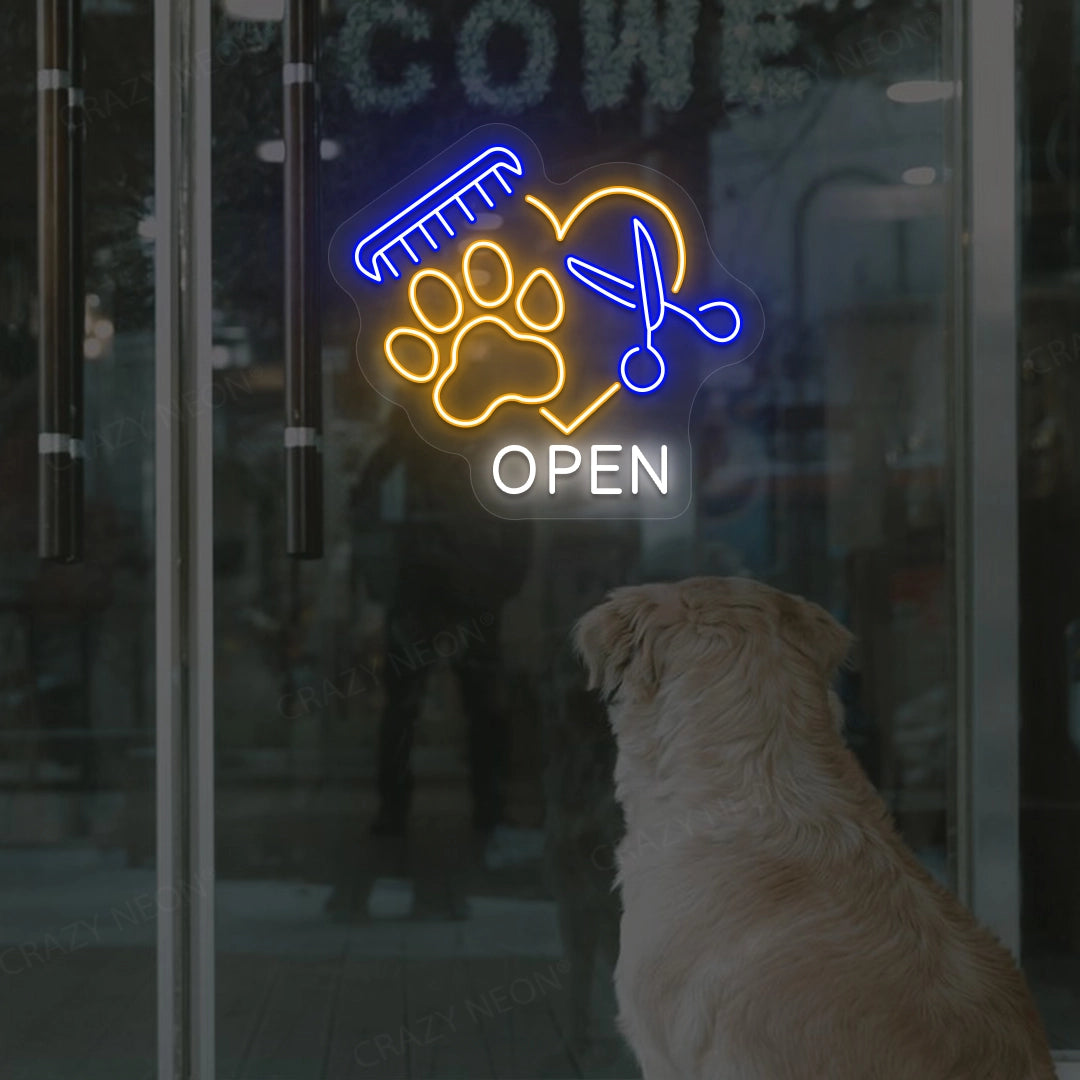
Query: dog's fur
775	927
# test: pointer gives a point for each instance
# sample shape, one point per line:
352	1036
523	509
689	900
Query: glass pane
416	815
78	896
1050	512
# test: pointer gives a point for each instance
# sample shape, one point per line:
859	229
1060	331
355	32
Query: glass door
302	755
1048	377
415	817
79	899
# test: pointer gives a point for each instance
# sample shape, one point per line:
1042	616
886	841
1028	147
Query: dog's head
709	637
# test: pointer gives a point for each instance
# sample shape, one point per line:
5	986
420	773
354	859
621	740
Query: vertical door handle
60	285
77	284
303	361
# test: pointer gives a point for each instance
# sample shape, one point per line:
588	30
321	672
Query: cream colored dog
775	927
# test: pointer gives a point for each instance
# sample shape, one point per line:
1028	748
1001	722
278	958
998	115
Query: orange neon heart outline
561	228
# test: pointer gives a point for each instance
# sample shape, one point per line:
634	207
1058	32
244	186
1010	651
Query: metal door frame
184	584
985	415
985	442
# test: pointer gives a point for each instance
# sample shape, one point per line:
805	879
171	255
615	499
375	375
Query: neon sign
555	336
437	204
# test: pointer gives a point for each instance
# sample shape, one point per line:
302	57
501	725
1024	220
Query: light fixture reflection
486	222
920	176
254	10
921	91
273	150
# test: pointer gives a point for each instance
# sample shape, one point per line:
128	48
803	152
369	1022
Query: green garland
663	46
369	94
537	26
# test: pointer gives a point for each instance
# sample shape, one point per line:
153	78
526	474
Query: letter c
281	708
1031	361
359	1060
367	92
3	964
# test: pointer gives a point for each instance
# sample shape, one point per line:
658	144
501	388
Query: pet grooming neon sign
568	388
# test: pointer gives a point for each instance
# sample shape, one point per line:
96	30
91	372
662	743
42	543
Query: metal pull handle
303	360
60	283
76	279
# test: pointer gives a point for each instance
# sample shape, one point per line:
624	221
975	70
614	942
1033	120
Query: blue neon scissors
651	297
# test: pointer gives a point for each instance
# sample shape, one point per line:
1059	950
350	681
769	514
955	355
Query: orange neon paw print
530	366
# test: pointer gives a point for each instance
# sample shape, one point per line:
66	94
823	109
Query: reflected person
449	569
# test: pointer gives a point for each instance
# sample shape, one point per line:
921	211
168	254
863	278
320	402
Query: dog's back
780	929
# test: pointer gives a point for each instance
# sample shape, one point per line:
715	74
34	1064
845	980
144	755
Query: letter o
448	636
498	462
528	986
173	896
536	25
895	34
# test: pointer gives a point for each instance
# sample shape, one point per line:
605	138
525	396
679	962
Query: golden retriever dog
774	926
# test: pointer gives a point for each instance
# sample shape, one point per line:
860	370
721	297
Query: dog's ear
816	634
614	641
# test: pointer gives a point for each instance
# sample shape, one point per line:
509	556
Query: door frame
984	411
184	564
985	471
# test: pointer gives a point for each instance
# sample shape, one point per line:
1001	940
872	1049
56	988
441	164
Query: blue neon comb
376	252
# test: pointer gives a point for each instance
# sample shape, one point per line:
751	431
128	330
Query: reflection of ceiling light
273	150
103	329
219	356
882	202
258	10
110	7
92	348
145	228
921	91
920	176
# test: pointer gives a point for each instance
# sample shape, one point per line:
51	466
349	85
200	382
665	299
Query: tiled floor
476	991
301	994
471	1018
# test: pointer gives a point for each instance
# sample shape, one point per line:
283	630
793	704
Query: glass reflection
416	820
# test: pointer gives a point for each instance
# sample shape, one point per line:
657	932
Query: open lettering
605	469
